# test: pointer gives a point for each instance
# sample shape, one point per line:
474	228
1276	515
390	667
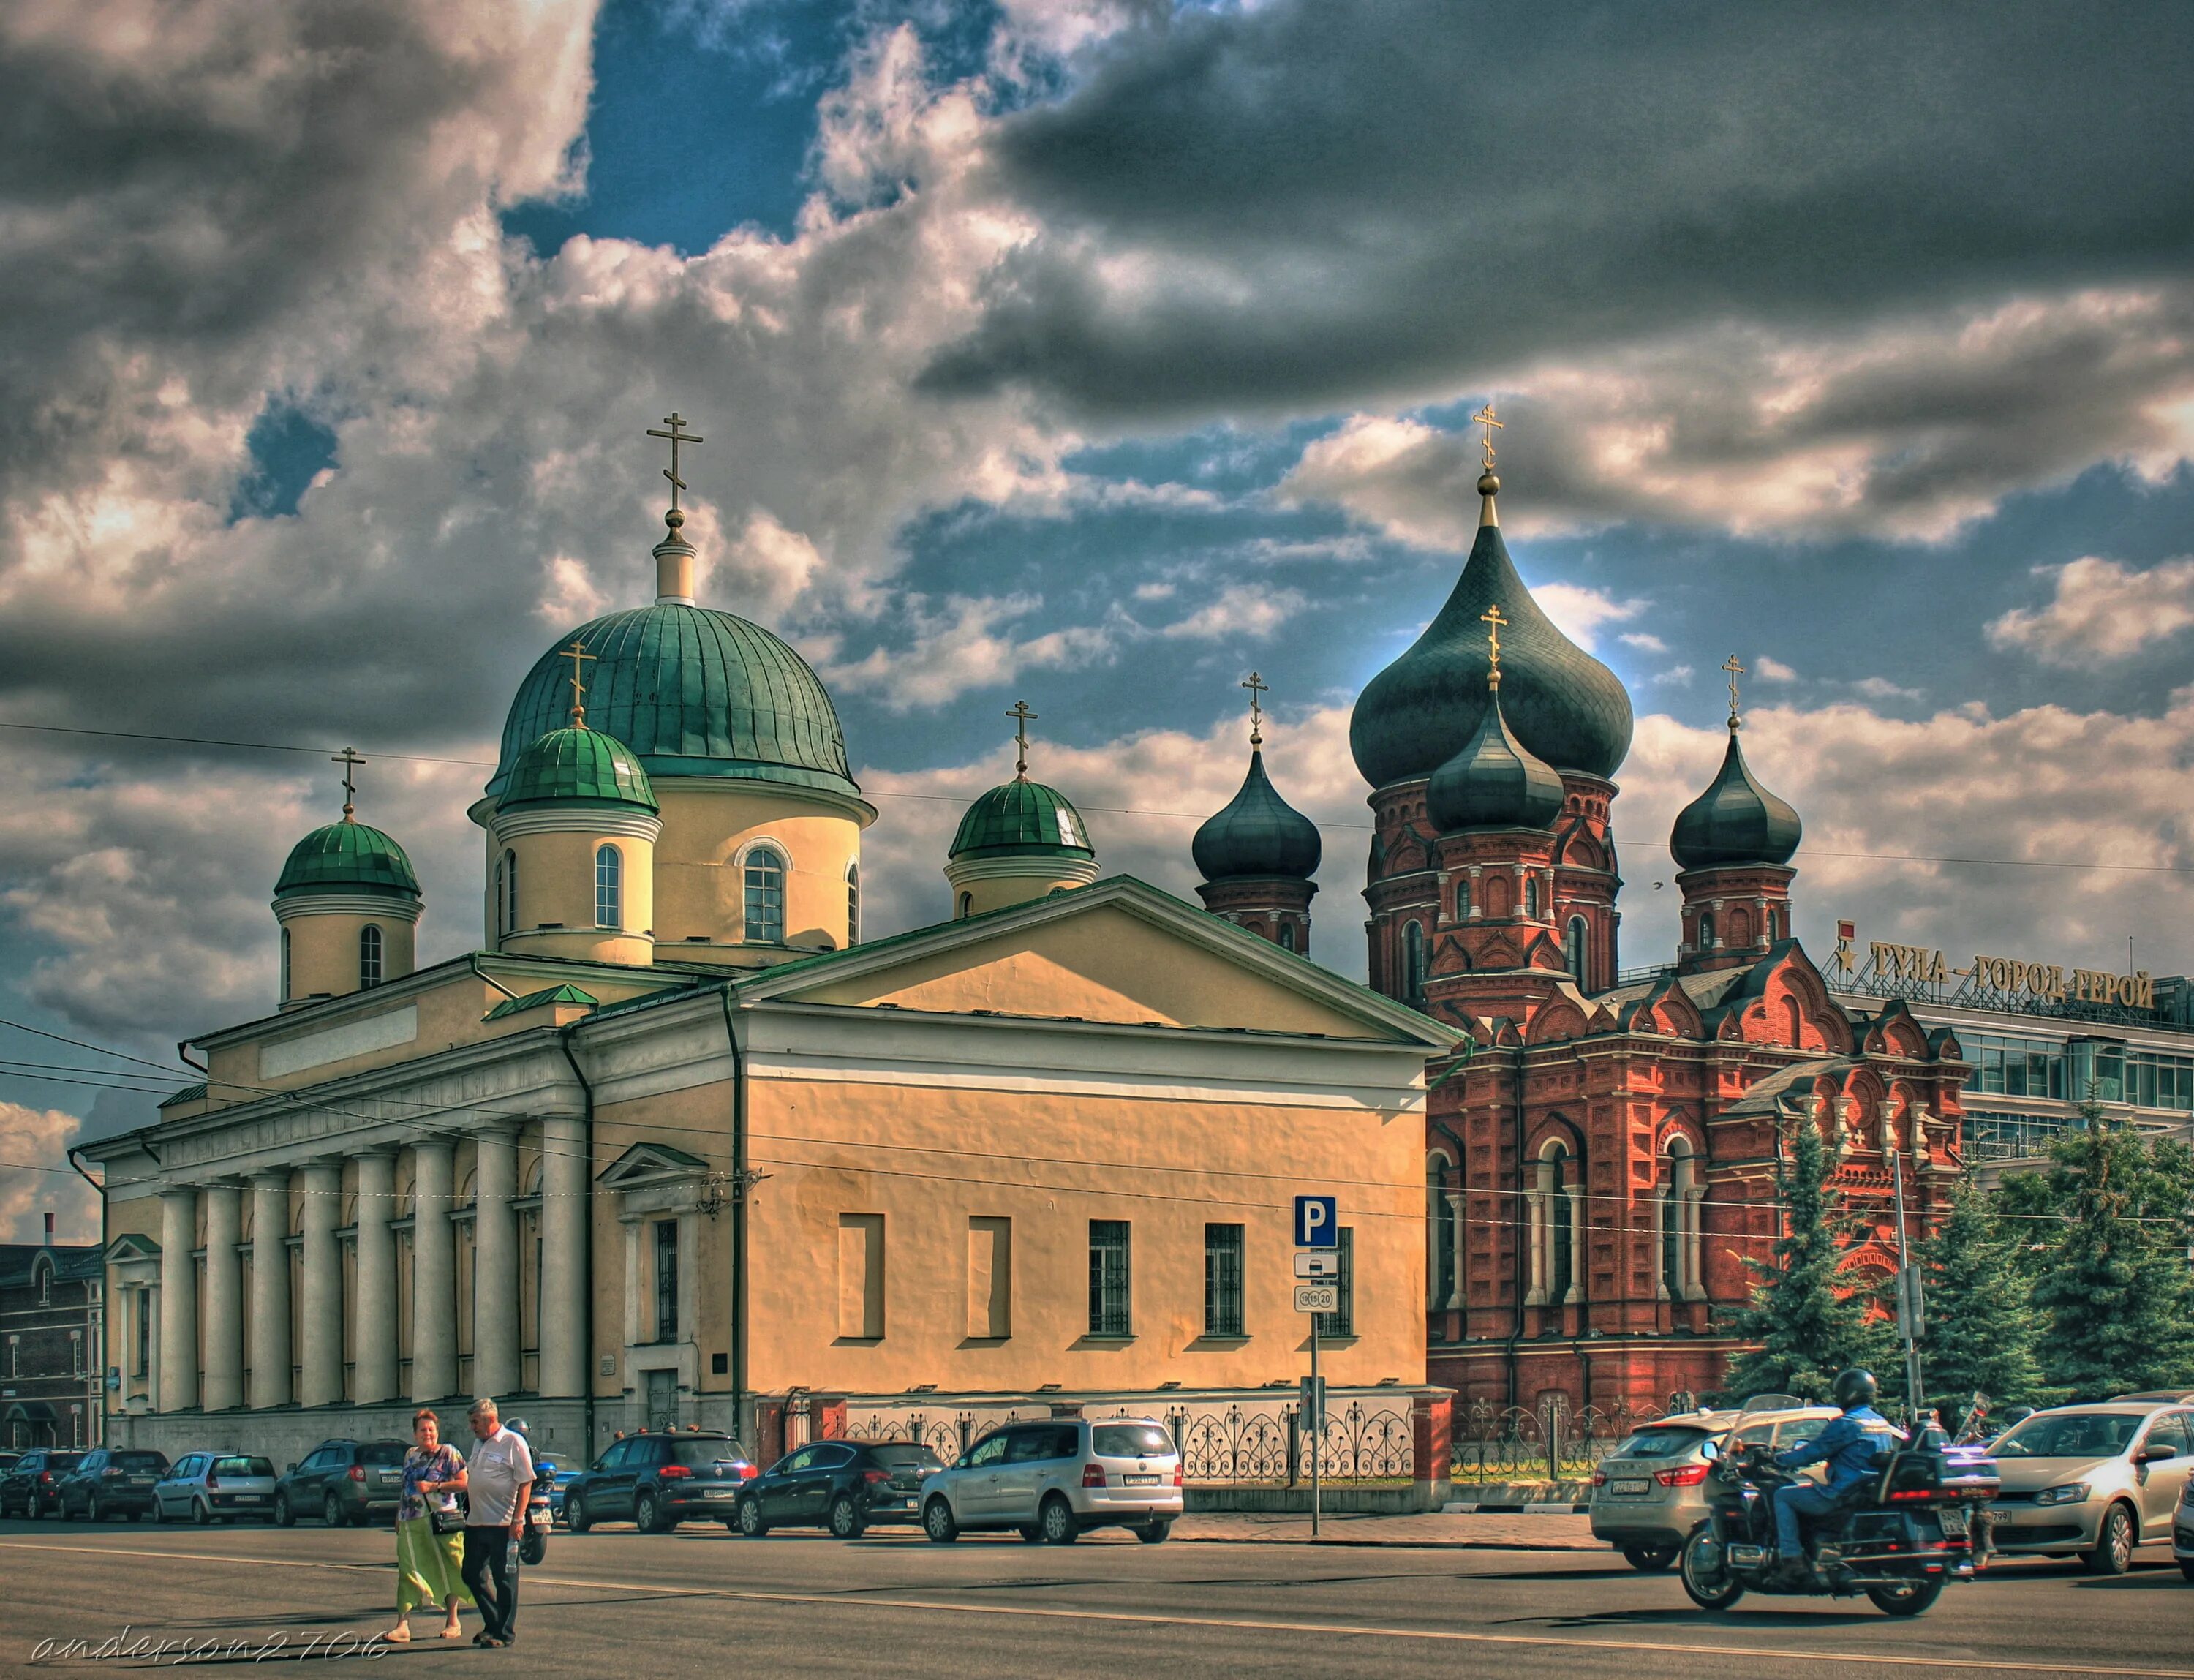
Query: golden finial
677	435
1484	417
350	758
579	655
1488	484
1258	690
1022	716
1735	671
1493	620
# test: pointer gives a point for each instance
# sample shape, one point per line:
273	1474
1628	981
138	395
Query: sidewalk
1526	1531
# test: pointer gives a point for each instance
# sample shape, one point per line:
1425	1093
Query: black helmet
1855	1387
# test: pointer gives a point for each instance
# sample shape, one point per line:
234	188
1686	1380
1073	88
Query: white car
1056	1480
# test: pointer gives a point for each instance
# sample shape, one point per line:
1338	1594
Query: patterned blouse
421	1465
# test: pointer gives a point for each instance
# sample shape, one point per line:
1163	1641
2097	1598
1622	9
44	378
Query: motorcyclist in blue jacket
1850	1445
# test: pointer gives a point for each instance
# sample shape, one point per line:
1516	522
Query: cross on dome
1023	717
1735	671
677	435
350	758
1484	417
1258	689
1492	618
579	655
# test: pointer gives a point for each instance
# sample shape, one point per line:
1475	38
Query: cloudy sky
1095	351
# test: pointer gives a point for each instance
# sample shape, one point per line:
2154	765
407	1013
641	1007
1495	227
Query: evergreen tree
2117	1289
1809	1320
1982	1325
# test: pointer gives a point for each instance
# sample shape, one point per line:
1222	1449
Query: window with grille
1531	895
666	1280
853	904
1560	1212
1222	1280
765	895
369	955
1109	1290
1342	1322
609	887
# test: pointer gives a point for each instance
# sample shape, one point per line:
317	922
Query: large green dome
1022	818
1735	821
1258	834
1564	706
694	692
348	857
577	765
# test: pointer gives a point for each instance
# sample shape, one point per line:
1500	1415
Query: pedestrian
430	1533
497	1484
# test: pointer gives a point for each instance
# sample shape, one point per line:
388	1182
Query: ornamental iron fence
1545	1442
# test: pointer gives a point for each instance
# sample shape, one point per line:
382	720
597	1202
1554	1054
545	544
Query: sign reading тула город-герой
1986	981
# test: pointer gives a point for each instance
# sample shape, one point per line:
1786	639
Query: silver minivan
1055	1481
215	1488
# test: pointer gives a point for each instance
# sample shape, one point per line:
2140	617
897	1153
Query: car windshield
700	1455
1130	1440
895	1455
242	1467
2072	1435
382	1453
139	1461
1664	1443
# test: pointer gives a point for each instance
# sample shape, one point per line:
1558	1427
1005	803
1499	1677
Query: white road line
1255	1625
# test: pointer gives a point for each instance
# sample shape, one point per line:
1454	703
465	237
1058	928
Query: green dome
1564	706
694	692
349	857
1022	818
1258	834
577	766
1495	781
1735	821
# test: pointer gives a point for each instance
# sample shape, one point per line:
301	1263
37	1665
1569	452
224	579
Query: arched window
1413	963
494	901
285	965
1439	1216
1679	1224
1706	931
369	956
967	904
1531	897
765	895
510	892
1562	1270
1287	936
853	903
1573	949
609	887
1463	900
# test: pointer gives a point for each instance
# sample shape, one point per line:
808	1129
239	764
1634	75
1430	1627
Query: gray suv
1054	1482
343	1481
1651	1492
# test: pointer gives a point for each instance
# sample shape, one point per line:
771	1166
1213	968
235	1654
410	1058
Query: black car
341	1482
32	1488
658	1481
111	1481
843	1485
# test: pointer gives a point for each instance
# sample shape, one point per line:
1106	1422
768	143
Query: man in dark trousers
498	1482
1850	1446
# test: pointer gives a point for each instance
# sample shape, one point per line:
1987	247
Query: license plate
717	1492
1954	1522
248	1498
140	1482
1138	1481
1628	1488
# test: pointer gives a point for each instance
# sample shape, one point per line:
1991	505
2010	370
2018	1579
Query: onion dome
1563	705
1495	781
1735	821
1257	834
1022	818
347	857
577	765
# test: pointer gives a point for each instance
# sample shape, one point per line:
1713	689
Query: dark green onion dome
1258	834
579	766
1022	818
1495	781
1735	821
1564	704
347	857
695	693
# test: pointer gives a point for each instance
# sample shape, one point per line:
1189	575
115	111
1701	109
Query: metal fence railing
1547	1443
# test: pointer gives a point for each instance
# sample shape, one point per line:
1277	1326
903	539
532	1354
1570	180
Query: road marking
1243	1624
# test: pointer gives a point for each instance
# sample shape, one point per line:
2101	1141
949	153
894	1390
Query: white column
223	1386
1536	1223
1575	1194
1695	1287
270	1288
495	1264
148	1303
1661	1243
433	1271
322	1326
689	1277
179	1301
633	1328
566	1206
373	1337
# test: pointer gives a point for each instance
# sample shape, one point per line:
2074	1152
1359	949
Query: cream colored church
676	1143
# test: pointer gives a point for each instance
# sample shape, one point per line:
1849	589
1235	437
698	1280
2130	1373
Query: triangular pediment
131	1246
650	1164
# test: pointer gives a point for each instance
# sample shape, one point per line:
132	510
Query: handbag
445	1521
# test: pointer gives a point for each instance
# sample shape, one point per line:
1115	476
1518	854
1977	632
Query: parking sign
1318	1224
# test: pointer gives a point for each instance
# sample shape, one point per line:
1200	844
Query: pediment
650	1164
131	1246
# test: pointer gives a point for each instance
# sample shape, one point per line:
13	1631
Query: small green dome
1258	834
577	766
349	857
1735	821
1022	818
1494	782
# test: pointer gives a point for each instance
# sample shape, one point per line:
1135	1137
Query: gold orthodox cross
1492	619
1023	717
579	655
677	435
1735	671
350	758
1484	417
1258	689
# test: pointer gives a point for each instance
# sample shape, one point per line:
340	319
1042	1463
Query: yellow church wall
324	951
556	884
996	892
709	823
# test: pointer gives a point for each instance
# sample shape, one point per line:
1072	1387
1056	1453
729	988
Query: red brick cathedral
1604	1149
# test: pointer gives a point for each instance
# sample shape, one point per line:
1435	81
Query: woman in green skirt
427	1564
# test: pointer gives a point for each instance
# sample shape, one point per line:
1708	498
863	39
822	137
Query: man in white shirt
498	1482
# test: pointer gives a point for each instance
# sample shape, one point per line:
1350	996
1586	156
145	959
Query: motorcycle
533	1544
1920	1522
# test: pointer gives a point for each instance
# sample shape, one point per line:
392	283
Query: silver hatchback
215	1488
1651	1492
2093	1481
1055	1481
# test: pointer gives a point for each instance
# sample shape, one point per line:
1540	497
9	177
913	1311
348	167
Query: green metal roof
1257	834
695	693
188	1094
1494	782
349	857
1022	818
1736	821
535	1000
579	766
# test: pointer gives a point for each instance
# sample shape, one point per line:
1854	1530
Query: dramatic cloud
959	644
2101	610
36	1177
1240	610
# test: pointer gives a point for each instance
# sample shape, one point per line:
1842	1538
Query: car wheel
939	1523
1652	1559
647	1512
95	1512
331	1511
283	1516
1154	1534
575	1513
1707	1580
2113	1552
1907	1600
747	1518
1056	1522
201	1512
2186	1567
159	1511
847	1522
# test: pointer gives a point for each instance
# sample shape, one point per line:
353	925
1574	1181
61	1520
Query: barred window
853	904
1342	1322
1222	1280
666	1280
765	895
609	887
1110	1293
369	956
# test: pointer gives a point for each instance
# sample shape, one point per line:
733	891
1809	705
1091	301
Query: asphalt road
616	1604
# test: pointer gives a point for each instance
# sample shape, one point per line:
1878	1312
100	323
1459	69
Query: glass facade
2008	1067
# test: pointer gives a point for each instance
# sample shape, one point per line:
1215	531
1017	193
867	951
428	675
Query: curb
1543	1509
1390	1546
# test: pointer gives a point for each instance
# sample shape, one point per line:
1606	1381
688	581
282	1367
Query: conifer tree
1981	1323
1809	1320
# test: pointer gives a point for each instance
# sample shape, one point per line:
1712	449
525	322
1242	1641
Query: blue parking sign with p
1318	1224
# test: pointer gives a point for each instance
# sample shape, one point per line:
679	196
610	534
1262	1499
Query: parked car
2092	1482
561	1476
111	1481
1055	1481
659	1480
32	1486
2182	1530
7	1461
215	1488
1651	1492
843	1485
341	1482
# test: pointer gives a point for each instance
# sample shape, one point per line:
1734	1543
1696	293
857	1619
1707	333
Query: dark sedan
111	1481
32	1486
843	1485
658	1481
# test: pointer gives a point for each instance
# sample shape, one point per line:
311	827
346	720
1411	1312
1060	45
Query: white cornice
347	904
631	824
1080	871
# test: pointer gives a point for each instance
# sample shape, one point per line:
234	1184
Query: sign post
1908	1298
1318	1232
